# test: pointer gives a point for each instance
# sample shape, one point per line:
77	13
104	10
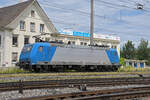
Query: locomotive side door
42	54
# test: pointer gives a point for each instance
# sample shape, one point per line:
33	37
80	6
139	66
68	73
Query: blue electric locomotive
44	56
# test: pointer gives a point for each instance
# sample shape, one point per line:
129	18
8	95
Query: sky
112	17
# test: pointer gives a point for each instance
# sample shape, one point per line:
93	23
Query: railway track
111	94
23	85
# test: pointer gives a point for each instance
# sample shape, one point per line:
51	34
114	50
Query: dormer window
32	13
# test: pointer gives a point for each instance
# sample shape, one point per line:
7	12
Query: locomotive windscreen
27	48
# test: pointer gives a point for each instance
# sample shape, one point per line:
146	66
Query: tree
128	50
143	52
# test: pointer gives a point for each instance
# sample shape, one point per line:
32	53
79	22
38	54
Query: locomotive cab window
115	53
111	53
27	48
40	48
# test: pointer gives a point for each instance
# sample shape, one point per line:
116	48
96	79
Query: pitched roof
8	14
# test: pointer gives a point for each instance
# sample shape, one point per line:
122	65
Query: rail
23	85
111	94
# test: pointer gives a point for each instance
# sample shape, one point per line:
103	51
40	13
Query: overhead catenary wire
122	6
87	13
64	22
78	11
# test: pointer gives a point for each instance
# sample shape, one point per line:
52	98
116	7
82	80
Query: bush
122	62
133	69
12	70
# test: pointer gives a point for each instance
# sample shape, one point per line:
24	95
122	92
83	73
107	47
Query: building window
69	42
15	41
130	63
114	47
22	25
81	43
73	42
26	40
60	40
41	27
14	56
32	27
32	13
37	40
85	43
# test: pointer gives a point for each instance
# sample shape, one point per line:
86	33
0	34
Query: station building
20	22
135	63
82	38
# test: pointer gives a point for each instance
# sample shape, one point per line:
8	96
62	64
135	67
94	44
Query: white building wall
2	33
8	34
7	47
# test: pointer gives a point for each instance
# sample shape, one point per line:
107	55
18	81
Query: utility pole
92	23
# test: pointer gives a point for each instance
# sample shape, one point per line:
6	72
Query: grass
12	70
133	69
82	74
17	72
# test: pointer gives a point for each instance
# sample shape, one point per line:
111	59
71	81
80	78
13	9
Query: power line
118	20
61	22
78	11
117	5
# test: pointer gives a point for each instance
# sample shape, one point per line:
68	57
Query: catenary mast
92	23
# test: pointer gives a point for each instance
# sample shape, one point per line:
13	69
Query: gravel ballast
27	78
40	92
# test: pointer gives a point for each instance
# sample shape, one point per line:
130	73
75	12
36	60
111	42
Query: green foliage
148	62
128	50
12	70
143	50
122	62
133	69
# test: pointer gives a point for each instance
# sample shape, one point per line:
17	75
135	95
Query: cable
118	5
107	30
81	12
84	13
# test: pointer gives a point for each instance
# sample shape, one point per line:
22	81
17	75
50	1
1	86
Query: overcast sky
117	17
